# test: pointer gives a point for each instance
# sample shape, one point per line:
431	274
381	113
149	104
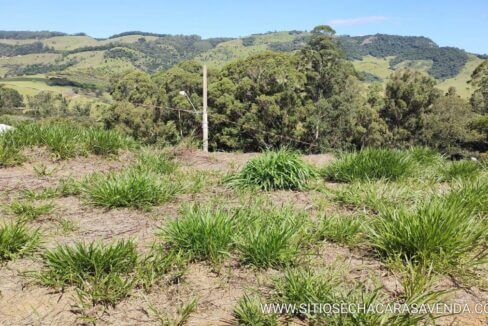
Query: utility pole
204	113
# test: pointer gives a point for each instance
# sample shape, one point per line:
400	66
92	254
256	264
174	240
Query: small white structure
4	128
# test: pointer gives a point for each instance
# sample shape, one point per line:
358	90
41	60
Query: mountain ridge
87	61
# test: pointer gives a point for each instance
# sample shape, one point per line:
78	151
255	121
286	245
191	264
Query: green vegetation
16	240
101	273
63	140
438	233
281	169
203	232
248	312
461	170
341	229
28	211
371	164
128	188
271	237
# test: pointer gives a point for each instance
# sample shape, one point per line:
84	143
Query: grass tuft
128	188
438	232
343	229
16	240
27	211
464	170
157	162
248	312
371	164
105	142
202	231
270	237
281	169
101	273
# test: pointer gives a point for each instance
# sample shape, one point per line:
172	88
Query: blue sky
457	23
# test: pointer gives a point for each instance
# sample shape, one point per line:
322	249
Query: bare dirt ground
23	302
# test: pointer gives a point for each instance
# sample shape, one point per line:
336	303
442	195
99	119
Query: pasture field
98	229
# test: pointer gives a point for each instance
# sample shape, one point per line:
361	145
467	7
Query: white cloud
357	21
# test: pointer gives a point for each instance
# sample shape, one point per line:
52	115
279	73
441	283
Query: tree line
311	100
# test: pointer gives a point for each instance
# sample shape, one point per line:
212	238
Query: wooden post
204	113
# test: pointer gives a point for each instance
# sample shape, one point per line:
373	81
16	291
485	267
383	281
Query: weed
470	196
67	226
16	240
46	193
159	262
10	150
68	187
182	315
41	170
377	195
281	169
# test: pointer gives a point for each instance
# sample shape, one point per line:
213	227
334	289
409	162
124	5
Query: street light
183	93
204	110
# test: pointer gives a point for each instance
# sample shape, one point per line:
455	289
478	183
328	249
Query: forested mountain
90	62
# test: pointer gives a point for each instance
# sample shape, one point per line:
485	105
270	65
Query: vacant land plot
99	230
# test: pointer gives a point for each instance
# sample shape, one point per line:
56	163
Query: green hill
86	62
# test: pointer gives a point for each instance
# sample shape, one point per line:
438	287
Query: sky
462	24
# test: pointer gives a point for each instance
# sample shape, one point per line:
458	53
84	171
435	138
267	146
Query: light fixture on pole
204	111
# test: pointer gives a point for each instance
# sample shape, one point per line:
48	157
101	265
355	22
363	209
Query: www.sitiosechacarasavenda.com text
360	308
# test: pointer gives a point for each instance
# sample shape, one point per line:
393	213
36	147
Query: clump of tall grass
128	188
202	231
270	237
157	162
10	150
282	169
306	286
371	164
101	273
16	240
64	140
426	156
467	170
343	229
105	142
437	232
471	196
376	195
28	211
249	312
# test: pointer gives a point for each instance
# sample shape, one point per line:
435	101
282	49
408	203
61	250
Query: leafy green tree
479	79
10	98
185	76
138	108
258	103
46	104
409	96
445	126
